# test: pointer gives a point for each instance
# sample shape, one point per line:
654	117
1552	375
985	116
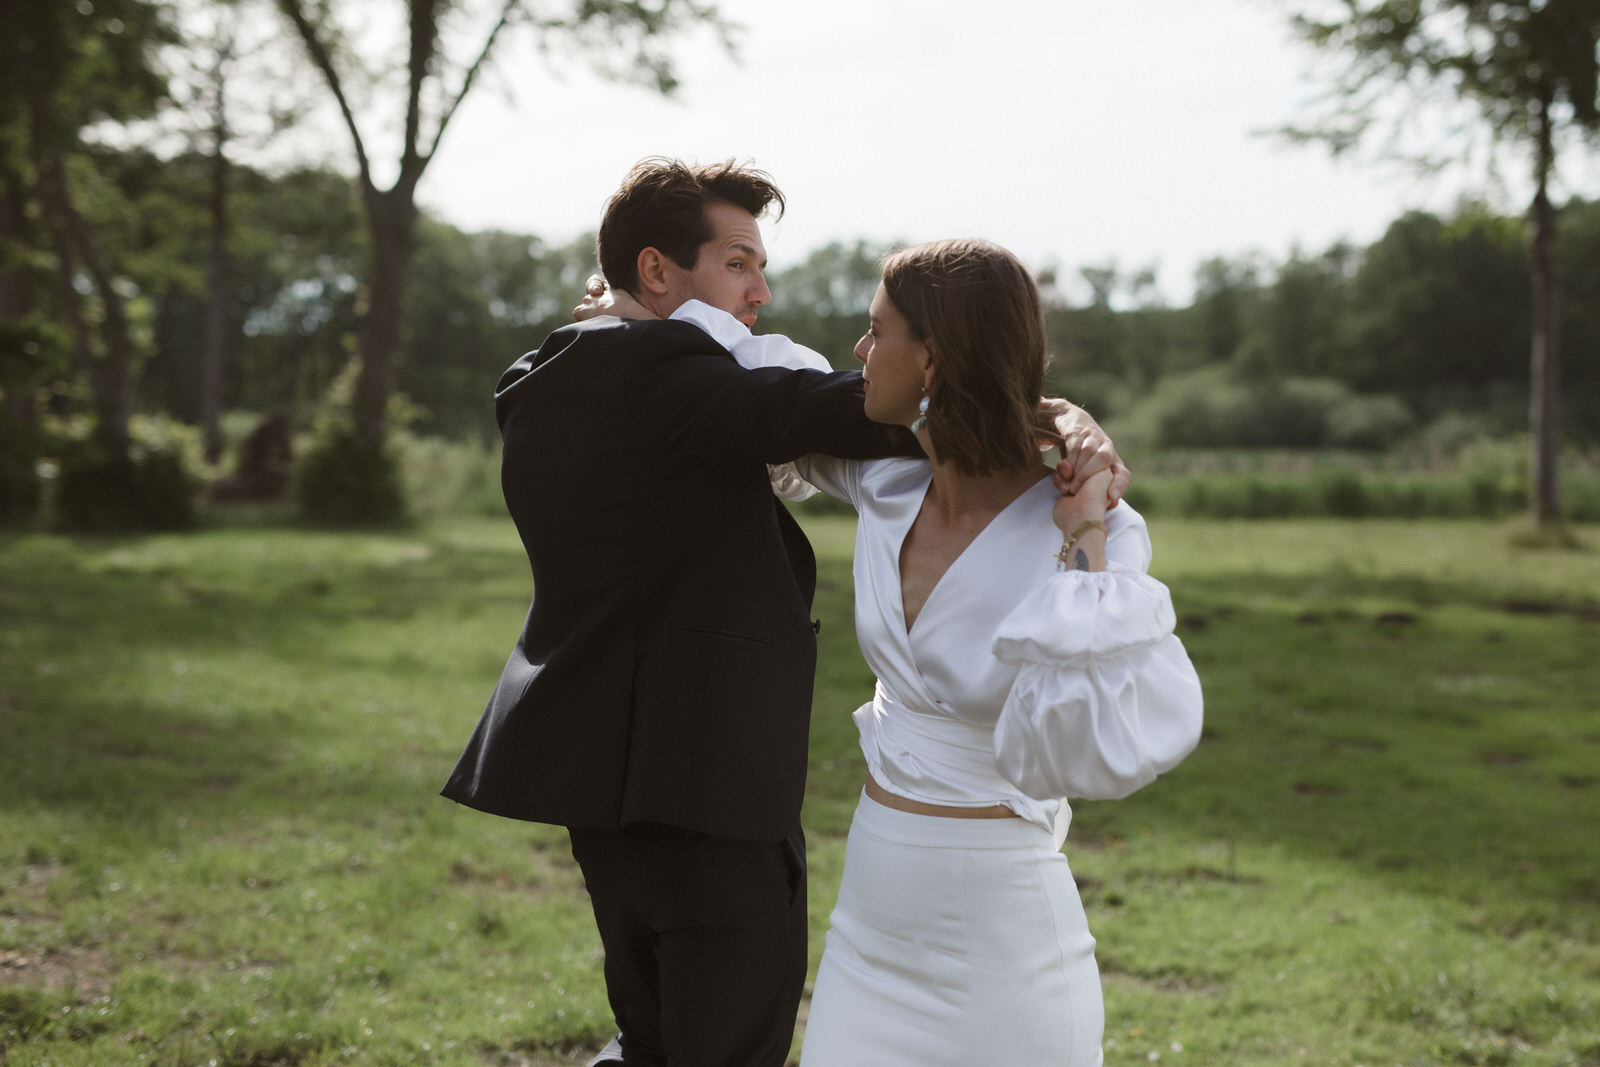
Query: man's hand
599	300
1085	450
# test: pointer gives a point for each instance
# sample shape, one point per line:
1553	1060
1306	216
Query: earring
921	421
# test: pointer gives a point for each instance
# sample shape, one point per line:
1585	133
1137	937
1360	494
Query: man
658	701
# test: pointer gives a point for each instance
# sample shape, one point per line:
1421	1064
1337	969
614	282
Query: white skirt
954	941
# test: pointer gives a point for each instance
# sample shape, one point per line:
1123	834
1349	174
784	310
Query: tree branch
424	41
506	12
324	62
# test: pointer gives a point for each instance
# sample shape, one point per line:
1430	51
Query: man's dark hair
662	204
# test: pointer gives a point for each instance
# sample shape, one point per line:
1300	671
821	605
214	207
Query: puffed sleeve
1105	698
839	478
787	483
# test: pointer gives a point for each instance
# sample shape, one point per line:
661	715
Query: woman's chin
880	416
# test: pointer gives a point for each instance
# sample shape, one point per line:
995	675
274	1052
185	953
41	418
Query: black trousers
705	942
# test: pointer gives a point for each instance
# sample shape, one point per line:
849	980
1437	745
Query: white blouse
1018	685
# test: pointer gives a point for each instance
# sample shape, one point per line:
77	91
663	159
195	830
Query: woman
1023	655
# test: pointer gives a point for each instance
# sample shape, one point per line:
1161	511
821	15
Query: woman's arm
1105	697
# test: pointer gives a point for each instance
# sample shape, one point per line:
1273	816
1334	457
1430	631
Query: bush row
338	481
1353	494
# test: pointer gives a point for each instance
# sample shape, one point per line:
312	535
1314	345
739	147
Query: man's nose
761	293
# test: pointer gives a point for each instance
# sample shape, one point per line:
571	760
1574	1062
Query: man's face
728	273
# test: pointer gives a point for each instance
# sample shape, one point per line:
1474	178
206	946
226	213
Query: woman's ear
652	271
929	367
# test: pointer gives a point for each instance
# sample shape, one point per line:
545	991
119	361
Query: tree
1224	291
1580	329
434	82
67	67
65	70
1298	332
228	92
1529	71
1432	315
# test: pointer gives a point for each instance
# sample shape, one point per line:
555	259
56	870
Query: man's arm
702	406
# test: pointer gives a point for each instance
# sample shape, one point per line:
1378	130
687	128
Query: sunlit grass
220	839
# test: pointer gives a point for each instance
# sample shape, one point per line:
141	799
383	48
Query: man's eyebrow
746	250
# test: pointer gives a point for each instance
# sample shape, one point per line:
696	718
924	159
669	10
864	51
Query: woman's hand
1085	450
599	300
1081	518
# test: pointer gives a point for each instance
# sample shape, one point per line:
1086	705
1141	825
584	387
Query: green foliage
1217	407
478	301
33	353
1371	423
340	479
1432	316
20	485
151	486
450	477
1438	302
1485	479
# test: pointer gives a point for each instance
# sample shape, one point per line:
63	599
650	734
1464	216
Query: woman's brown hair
978	310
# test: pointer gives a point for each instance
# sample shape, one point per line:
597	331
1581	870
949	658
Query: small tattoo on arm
1080	560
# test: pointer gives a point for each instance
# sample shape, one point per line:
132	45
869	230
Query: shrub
152	486
1343	494
1487	480
1101	394
20	486
1213	408
444	476
1446	436
1295	412
1369	422
342	480
1202	409
265	463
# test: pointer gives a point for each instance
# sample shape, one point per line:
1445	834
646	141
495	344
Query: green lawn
220	840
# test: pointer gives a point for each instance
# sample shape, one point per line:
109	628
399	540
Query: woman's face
895	364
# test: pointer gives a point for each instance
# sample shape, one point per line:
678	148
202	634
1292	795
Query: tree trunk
19	409
1544	501
393	216
109	371
211	354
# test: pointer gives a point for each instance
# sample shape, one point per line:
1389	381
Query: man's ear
652	266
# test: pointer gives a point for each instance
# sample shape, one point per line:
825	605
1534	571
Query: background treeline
1417	341
1356	348
1350	347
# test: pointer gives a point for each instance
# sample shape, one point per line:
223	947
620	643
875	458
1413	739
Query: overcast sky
1076	132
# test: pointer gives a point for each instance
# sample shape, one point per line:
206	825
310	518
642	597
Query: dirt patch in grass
1526	606
88	972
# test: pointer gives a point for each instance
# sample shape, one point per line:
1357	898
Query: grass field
220	841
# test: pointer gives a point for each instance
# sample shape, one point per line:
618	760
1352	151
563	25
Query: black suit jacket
665	670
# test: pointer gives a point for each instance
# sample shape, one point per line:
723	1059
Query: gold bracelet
1063	558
